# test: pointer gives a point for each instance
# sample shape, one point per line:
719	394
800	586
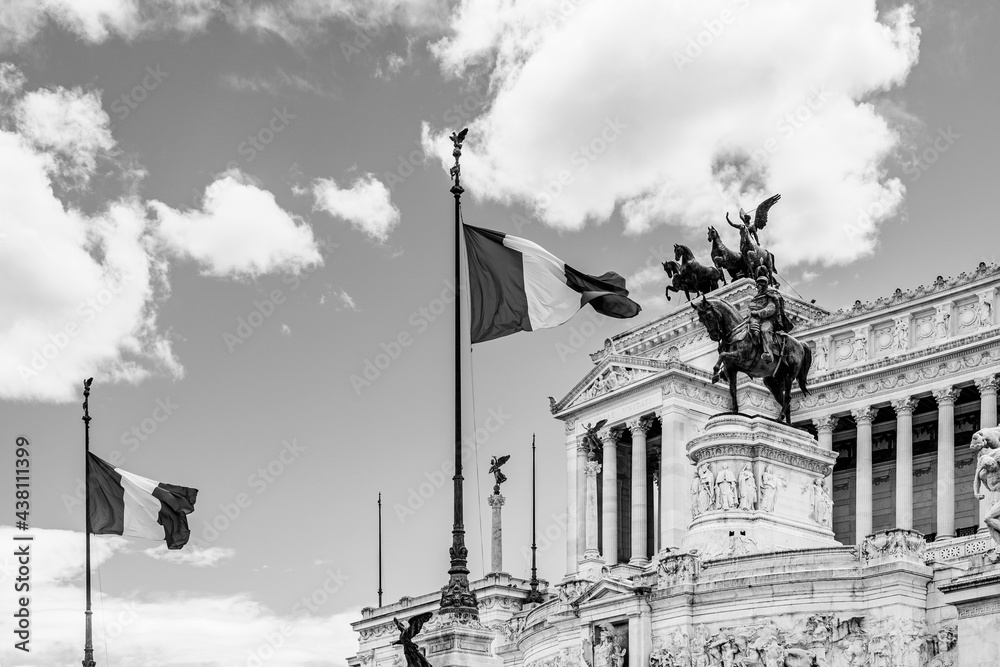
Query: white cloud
367	205
192	555
95	21
240	231
70	125
141	627
346	301
276	84
78	293
698	108
286	330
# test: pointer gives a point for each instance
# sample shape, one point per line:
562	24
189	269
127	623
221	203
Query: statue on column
592	440
725	489
498	477
414	657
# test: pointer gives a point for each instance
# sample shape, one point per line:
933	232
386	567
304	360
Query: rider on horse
767	315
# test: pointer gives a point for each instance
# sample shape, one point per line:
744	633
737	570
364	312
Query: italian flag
122	503
516	285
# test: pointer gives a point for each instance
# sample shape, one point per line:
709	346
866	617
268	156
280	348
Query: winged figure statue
414	657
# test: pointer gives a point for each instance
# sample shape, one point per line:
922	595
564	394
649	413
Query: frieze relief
895	543
825	640
613	378
571	591
500	602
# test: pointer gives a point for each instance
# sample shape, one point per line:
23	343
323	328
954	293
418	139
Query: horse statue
673	271
695	276
726	259
742	351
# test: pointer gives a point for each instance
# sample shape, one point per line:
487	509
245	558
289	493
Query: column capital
904	406
865	414
592	468
945	395
639	425
581	446
610	436
987	385
826	423
495	500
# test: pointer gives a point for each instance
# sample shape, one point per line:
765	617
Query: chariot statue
753	254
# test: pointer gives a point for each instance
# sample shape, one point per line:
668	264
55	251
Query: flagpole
88	647
533	594
380	549
456	596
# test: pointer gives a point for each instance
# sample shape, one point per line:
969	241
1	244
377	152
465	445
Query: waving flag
122	503
516	285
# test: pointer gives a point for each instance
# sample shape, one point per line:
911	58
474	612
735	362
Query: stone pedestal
458	640
762	489
496	553
976	594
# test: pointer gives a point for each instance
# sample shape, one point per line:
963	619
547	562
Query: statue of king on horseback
759	345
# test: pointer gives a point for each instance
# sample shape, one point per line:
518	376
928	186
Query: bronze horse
673	270
739	351
693	276
754	256
726	259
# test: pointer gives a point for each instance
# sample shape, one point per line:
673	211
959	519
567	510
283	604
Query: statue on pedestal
591	439
498	477
758	346
754	256
414	657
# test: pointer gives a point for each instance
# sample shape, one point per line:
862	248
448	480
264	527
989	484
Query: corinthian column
609	438
571	509
904	461
824	431
591	470
581	500
987	387
639	427
946	462
863	497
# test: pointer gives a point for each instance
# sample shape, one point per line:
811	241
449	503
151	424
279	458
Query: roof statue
414	657
754	255
759	345
498	477
726	260
687	274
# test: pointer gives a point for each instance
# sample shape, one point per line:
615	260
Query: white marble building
734	541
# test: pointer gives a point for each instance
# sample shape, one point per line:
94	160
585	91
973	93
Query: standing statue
988	474
695	493
414	657
751	346
706	496
748	489
591	439
819	501
768	488
754	255
725	489
726	259
498	476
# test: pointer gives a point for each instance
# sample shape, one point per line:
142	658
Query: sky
236	217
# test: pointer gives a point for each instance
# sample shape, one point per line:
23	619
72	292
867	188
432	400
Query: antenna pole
380	549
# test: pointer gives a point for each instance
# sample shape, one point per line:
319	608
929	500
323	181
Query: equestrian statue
759	345
690	275
754	255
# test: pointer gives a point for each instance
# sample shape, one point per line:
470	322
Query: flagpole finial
456	139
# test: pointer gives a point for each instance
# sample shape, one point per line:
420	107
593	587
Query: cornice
900	298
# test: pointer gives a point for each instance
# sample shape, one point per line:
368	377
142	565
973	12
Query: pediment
609	376
606	589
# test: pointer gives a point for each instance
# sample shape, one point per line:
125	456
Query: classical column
496	547
609	438
656	510
946	462
639	427
824	430
592	469
863	493
581	500
675	479
987	387
571	534
904	461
